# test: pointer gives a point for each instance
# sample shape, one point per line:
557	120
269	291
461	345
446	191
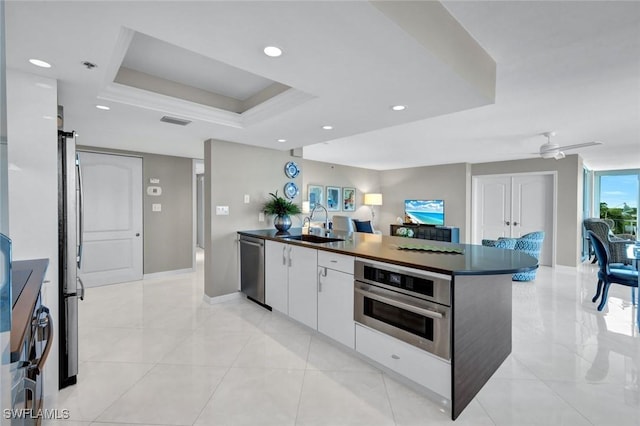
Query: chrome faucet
326	216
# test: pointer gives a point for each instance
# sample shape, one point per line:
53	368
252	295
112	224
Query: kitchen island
457	340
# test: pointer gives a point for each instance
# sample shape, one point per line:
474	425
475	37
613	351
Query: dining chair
608	275
342	223
617	246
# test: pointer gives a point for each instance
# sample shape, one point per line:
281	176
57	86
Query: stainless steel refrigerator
70	226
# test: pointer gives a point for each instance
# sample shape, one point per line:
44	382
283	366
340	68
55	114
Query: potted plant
281	208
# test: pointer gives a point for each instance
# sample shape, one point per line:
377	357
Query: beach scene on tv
424	212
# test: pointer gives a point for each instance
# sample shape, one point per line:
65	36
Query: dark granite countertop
476	260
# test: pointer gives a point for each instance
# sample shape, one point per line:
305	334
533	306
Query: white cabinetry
291	281
335	297
276	275
406	360
303	295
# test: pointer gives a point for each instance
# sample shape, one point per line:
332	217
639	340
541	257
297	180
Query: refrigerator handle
80	211
81	292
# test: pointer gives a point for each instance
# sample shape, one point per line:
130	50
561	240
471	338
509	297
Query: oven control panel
434	287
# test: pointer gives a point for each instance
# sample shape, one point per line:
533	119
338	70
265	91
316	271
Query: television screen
424	212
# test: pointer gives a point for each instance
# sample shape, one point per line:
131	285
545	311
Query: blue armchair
530	243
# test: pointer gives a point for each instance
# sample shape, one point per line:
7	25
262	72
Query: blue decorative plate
291	190
291	170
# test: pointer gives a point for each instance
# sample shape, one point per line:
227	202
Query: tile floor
154	353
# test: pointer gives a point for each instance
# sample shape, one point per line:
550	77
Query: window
617	195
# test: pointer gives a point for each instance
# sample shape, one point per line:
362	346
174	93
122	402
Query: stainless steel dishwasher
252	268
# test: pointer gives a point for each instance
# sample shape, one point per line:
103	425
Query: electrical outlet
261	217
156	207
222	210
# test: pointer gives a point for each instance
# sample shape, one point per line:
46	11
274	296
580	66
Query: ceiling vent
174	120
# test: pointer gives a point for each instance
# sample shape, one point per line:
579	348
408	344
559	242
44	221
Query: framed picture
349	199
315	194
333	199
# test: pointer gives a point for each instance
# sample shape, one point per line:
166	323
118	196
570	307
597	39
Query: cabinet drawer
406	360
335	261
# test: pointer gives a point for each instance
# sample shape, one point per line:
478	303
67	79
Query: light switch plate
247	199
154	190
261	217
222	210
156	207
154	180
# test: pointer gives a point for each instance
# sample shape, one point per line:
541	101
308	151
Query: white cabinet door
276	260
335	306
303	283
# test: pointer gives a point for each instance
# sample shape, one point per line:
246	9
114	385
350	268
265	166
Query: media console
430	232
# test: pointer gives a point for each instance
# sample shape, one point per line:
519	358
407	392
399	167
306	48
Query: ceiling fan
553	150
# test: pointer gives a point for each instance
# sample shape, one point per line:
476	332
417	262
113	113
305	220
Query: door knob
515	223
137	234
508	223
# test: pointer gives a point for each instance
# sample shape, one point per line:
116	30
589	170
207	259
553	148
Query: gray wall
326	174
446	182
568	203
168	235
231	171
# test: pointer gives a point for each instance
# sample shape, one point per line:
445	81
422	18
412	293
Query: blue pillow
363	226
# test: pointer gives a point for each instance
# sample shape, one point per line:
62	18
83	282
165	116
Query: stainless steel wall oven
410	305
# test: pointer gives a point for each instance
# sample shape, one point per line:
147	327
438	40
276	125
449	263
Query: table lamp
372	199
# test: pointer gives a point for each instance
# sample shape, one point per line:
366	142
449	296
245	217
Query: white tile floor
154	353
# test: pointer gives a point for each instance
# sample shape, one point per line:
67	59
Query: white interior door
514	205
112	238
493	208
532	209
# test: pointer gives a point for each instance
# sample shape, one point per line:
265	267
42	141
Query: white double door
112	214
514	205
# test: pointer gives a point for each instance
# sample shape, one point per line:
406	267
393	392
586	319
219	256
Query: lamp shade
373	199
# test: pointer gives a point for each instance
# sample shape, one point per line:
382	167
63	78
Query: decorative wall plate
291	190
291	170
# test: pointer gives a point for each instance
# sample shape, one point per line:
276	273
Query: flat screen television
424	212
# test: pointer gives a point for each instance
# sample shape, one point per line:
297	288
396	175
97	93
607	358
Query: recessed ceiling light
272	51
103	107
327	127
40	63
282	140
399	107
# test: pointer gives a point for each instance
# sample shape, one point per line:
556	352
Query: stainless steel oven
410	305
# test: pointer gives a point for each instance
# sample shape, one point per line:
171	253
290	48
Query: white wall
5	305
33	186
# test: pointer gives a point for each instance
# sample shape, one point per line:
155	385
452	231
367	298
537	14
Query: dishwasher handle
251	243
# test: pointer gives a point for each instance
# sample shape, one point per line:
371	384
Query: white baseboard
167	273
221	299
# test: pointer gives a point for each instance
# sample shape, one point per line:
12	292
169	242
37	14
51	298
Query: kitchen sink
312	238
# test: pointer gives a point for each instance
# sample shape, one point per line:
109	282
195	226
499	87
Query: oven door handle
399	304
